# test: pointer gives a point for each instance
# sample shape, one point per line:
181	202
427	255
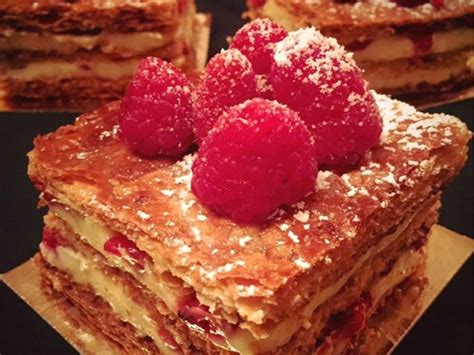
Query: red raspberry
259	156
228	80
256	40
156	112
317	78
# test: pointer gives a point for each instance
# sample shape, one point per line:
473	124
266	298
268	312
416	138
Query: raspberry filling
120	245
168	339
195	313
256	3
358	45
423	42
52	239
415	3
346	324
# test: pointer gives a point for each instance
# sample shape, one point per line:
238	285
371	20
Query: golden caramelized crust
90	16
328	15
257	269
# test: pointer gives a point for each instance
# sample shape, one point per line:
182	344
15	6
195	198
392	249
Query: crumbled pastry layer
393	250
29	46
89	16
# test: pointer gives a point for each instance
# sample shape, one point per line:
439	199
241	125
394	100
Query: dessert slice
129	245
414	49
78	54
294	228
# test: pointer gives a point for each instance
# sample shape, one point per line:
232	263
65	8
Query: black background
445	329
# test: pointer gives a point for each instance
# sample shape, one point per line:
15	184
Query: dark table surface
447	327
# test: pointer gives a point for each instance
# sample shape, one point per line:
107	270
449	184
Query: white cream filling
96	235
390	48
242	340
124	43
87	272
55	69
388	77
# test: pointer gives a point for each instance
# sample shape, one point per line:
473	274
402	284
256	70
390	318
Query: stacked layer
63	52
127	243
410	52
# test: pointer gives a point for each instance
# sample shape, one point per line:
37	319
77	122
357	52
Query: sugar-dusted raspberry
317	78
256	40
258	157
156	112
228	80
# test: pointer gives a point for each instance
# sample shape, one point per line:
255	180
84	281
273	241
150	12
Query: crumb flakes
293	237
302	263
246	290
322	182
302	216
167	193
143	215
201	217
244	240
284	227
196	233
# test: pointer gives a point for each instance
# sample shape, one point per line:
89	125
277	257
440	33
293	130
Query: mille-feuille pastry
414	49
68	53
243	247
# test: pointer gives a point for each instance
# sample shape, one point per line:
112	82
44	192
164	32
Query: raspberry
119	244
156	112
314	76
228	80
258	157
256	40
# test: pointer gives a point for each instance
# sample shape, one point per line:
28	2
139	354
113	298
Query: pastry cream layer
241	340
87	272
80	69
390	48
386	48
391	76
62	69
123	43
